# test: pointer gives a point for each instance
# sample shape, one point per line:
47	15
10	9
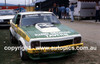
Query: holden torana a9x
42	36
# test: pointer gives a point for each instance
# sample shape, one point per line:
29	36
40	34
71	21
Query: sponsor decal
53	34
34	15
46	27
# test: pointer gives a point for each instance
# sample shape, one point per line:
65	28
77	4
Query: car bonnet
54	30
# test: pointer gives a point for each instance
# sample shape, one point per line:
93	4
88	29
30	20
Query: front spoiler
35	54
51	55
5	24
50	49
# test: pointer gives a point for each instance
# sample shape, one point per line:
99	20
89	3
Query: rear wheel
23	54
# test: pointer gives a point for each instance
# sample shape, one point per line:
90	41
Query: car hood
48	31
7	17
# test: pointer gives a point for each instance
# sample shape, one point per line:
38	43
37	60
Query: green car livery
43	36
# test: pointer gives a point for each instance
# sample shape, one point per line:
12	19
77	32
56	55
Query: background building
45	5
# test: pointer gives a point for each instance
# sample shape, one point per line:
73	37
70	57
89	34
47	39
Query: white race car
5	17
43	36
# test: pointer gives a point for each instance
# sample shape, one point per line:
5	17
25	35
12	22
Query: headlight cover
77	40
35	44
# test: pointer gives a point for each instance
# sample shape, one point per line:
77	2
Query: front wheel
23	54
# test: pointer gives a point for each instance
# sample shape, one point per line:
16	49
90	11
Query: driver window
18	20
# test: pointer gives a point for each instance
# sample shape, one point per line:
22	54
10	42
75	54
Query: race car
5	16
41	35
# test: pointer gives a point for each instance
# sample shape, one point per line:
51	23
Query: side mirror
16	25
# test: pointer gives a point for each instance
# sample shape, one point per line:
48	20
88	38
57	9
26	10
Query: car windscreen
28	20
7	12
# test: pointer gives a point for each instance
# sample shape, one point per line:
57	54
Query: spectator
59	12
97	16
63	11
54	9
67	12
72	12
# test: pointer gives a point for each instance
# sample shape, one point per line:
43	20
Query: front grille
55	44
6	20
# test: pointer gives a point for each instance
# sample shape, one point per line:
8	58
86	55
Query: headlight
35	44
77	40
1	20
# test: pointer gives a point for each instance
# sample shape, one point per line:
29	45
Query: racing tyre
23	54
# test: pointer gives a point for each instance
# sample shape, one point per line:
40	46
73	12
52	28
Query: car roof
35	12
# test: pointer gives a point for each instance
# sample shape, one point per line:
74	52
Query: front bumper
52	52
2	24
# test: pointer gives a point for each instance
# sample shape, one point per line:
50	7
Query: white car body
5	19
24	38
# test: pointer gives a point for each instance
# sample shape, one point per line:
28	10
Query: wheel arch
21	41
